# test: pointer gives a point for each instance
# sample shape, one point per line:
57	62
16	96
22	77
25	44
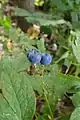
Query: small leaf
76	51
40	45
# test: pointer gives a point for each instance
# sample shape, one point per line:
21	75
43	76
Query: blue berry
30	52
46	59
34	56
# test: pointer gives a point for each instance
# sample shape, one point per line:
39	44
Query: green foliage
18	87
17	97
31	17
5	22
67	8
63	5
76	101
76	44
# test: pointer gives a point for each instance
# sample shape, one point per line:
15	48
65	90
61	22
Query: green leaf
21	12
44	19
17	94
62	83
76	99
46	22
6	112
65	55
76	114
25	13
18	63
76	51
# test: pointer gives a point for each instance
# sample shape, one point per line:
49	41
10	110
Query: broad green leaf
18	63
21	12
45	22
76	114
21	62
6	112
44	19
9	94
76	99
17	94
25	13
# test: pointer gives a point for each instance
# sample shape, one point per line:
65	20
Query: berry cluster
35	57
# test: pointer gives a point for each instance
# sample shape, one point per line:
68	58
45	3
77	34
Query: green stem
44	91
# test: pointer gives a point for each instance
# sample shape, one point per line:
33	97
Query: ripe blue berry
34	56
46	59
30	52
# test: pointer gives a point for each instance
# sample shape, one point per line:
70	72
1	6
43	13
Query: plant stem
44	92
